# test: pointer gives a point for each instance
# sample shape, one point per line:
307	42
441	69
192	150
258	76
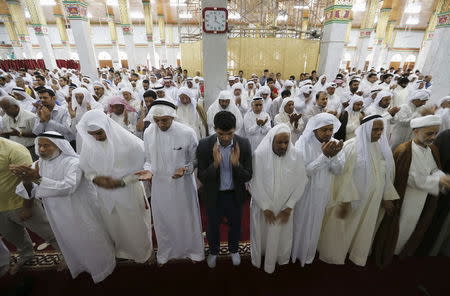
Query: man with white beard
224	102
170	149
276	186
418	181
110	158
362	192
68	201
187	112
101	95
256	123
323	159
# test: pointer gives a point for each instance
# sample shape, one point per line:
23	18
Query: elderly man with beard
418	181
16	212
110	157
276	186
68	200
362	192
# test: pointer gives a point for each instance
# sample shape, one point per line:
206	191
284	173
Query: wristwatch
122	183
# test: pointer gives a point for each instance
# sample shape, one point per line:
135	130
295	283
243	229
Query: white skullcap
421	94
444	99
231	78
424	121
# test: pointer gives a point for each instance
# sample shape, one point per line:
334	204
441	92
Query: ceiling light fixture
412	20
304	7
413	7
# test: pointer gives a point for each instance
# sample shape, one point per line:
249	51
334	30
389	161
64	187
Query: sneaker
236	259
211	260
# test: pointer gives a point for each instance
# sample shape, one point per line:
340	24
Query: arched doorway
123	57
410	61
396	60
104	60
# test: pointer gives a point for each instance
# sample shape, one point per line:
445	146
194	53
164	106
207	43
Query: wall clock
215	20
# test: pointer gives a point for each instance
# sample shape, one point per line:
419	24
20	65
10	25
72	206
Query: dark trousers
226	207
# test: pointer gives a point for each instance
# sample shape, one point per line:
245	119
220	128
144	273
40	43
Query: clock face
215	21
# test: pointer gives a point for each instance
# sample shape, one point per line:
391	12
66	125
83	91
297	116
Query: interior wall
252	55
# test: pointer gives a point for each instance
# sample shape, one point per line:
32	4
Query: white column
19	20
440	63
376	55
127	31
162	37
362	49
117	63
214	59
76	13
46	47
148	19
40	30
423	54
332	48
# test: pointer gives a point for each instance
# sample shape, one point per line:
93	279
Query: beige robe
354	234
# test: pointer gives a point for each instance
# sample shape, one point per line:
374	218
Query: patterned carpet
46	260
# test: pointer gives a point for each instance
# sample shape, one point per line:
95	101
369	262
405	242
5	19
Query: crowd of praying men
339	168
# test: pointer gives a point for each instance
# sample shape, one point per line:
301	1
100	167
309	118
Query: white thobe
400	96
188	115
353	122
296	132
174	202
70	207
401	130
310	210
354	234
423	179
254	132
132	120
125	210
274	241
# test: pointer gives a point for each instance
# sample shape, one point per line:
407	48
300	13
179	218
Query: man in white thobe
187	112
362	192
424	177
225	102
110	158
276	186
256	123
323	159
68	200
401	130
170	149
